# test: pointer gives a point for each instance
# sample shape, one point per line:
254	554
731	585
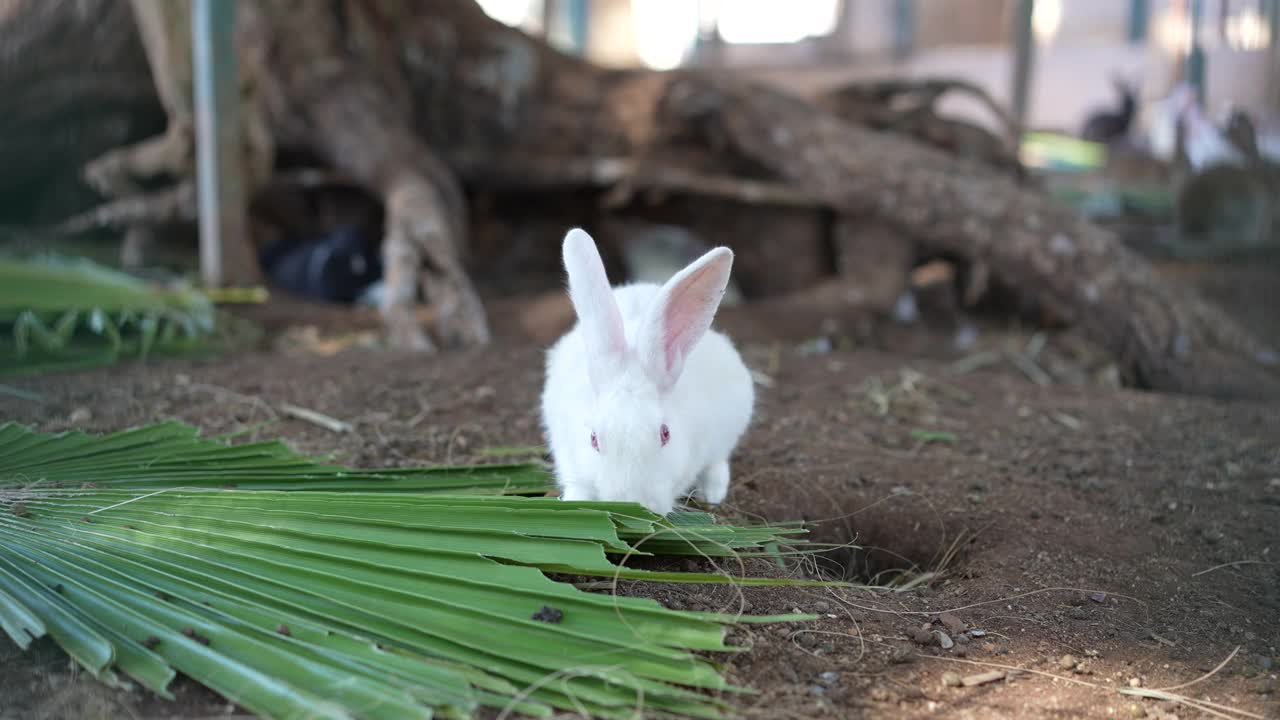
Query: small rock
80	416
822	606
1134	710
921	637
879	694
1265	662
983	678
911	692
1078	613
902	654
951	679
829	677
1135	682
817	690
1067	662
952	623
945	640
977	633
1098	597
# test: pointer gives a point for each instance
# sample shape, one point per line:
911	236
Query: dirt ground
1094	538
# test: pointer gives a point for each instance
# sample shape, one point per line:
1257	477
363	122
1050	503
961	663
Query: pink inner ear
686	316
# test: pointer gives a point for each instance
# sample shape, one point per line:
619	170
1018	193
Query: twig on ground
315	418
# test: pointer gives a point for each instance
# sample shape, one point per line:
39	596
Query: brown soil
1135	533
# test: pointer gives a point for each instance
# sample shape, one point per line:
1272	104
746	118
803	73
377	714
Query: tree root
170	205
1165	338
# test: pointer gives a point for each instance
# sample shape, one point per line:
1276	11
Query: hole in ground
894	542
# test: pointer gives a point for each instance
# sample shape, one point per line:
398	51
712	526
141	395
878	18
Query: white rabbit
643	402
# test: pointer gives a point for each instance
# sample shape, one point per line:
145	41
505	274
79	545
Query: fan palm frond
58	314
297	588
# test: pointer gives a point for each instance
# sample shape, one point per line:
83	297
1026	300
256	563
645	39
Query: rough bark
1166	338
353	107
75	83
910	107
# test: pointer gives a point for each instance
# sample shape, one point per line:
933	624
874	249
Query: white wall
1072	68
1068	81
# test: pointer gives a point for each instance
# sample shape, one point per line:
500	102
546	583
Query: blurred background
409	171
815	44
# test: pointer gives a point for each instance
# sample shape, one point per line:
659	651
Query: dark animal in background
1110	126
1242	133
337	266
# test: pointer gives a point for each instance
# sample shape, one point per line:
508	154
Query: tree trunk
1165	337
355	110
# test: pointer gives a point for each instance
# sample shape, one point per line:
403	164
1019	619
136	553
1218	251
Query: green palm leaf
298	588
58	314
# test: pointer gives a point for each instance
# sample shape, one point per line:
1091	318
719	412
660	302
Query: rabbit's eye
594	442
665	434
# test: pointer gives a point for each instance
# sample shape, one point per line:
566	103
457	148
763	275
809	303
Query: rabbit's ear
592	299
681	315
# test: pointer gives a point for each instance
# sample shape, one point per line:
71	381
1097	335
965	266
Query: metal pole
548	17
225	257
1273	54
1195	58
578	25
904	26
1139	17
1023	60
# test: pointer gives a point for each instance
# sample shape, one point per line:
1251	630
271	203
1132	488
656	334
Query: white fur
624	385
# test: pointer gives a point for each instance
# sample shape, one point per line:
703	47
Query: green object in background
1117	201
298	589
58	314
1053	151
